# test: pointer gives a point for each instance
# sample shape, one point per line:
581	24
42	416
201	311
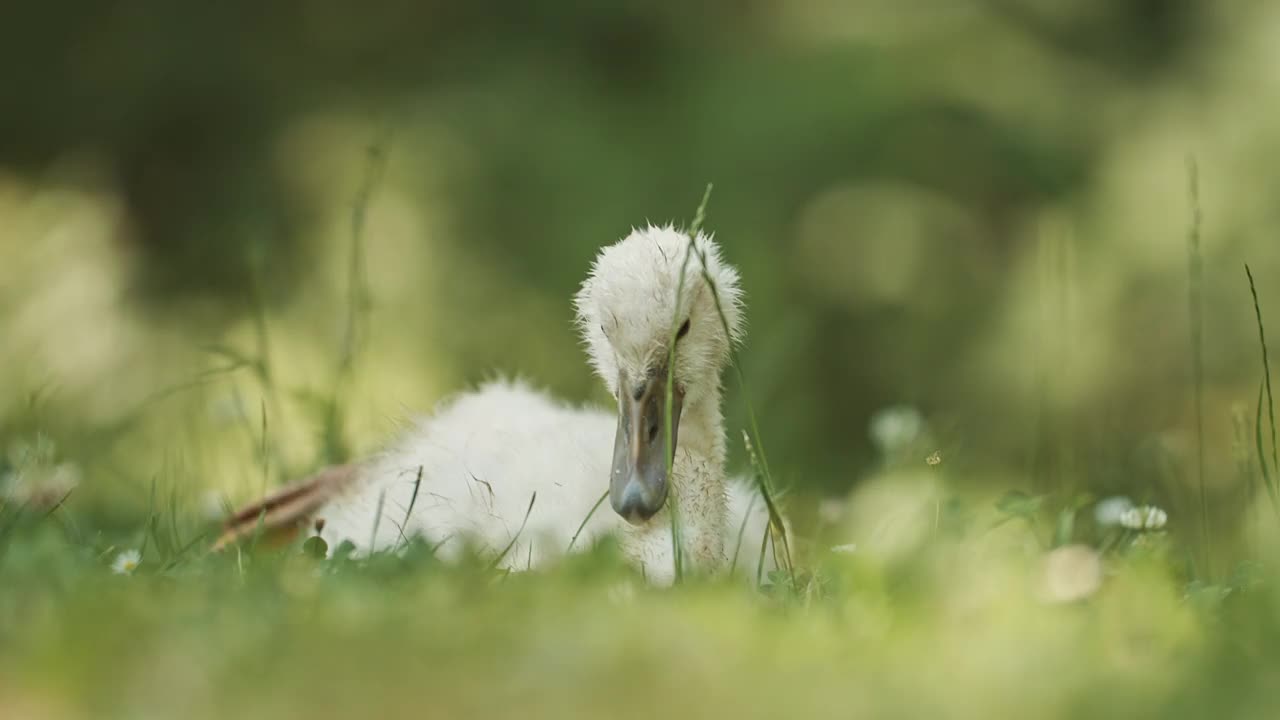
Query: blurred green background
977	209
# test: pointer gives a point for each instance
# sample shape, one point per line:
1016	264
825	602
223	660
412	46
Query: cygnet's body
507	469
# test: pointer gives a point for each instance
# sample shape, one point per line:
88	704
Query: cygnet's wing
282	514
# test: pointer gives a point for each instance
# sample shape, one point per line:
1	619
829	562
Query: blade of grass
151	513
235	359
181	555
777	528
764	547
358	288
742	531
266	460
377	520
200	379
1195	318
669	400
258	309
1266	368
765	478
64	519
57	505
174	536
413	499
514	538
262	338
158	539
585	520
359	302
1262	454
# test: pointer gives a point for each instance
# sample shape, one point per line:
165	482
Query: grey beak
638	483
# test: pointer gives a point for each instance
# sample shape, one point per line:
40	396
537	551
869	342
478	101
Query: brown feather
284	512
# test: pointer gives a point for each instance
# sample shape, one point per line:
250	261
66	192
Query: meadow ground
949	605
927	592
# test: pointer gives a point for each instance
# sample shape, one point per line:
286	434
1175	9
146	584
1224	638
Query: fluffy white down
627	304
483	455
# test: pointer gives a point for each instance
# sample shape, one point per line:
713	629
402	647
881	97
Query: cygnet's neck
698	489
702	434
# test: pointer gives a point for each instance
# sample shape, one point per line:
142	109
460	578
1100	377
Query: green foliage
225	301
217	633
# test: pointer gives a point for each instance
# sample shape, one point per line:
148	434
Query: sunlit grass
935	601
924	598
949	619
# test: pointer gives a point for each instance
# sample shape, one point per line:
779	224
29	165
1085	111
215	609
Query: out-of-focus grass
918	596
945	609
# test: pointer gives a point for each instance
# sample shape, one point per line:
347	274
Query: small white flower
894	428
1145	517
849	549
1110	511
126	562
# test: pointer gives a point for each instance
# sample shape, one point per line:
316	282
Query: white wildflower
126	562
1145	517
36	478
1110	511
848	549
894	428
40	486
1071	573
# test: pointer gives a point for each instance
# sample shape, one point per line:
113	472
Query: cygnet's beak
638	482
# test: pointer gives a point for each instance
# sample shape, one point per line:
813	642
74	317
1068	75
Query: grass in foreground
944	610
914	601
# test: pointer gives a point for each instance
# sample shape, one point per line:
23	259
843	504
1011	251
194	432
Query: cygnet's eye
684	330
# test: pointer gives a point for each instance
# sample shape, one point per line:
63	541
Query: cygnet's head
629	314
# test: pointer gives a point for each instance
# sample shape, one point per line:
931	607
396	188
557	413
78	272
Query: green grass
1195	322
949	607
777	534
949	625
1268	470
941	612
